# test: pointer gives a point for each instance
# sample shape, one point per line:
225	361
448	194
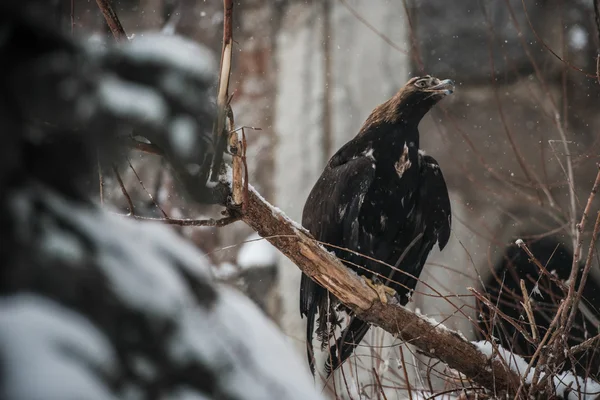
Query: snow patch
60	351
439	325
567	385
571	387
277	213
175	51
129	100
578	37
263	355
142	278
516	363
257	252
183	136
225	271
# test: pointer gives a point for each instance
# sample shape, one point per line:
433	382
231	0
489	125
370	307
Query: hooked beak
445	87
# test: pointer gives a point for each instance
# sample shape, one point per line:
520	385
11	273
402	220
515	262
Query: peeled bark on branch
329	272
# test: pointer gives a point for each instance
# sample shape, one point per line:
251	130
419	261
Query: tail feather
351	337
310	327
316	300
328	319
309	301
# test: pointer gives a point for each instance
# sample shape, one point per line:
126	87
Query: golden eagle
380	202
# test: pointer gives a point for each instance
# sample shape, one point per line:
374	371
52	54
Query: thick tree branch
322	266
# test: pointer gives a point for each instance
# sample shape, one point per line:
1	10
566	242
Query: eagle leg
380	289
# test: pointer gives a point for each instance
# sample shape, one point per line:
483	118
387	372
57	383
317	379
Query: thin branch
100	182
570	299
586	271
190	222
597	20
409	389
538	352
124	190
112	20
505	317
223	94
527	305
379	384
146	190
586	345
537	263
543	43
72	17
372	28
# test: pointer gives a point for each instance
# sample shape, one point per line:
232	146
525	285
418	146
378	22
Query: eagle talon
379	288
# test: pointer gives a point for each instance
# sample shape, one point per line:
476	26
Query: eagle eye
420	84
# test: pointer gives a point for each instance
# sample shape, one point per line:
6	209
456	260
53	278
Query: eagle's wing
396	242
331	216
426	222
435	200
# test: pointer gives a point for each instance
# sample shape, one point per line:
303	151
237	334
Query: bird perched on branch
380	204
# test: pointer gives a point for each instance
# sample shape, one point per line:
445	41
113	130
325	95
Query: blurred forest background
518	142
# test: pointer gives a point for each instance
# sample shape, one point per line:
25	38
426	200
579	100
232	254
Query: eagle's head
415	99
427	87
410	103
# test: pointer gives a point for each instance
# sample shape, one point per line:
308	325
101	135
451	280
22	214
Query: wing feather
330	215
435	200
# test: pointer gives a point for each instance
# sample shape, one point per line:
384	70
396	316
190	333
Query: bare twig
112	20
527	305
146	190
366	23
379	384
190	222
406	380
326	102
570	175
586	271
72	17
528	172
124	190
543	43
586	345
100	182
570	299
597	20
543	270
538	352
505	317
223	95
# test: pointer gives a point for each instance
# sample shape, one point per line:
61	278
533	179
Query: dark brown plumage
383	198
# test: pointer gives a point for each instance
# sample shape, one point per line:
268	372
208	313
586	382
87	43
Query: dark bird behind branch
379	197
